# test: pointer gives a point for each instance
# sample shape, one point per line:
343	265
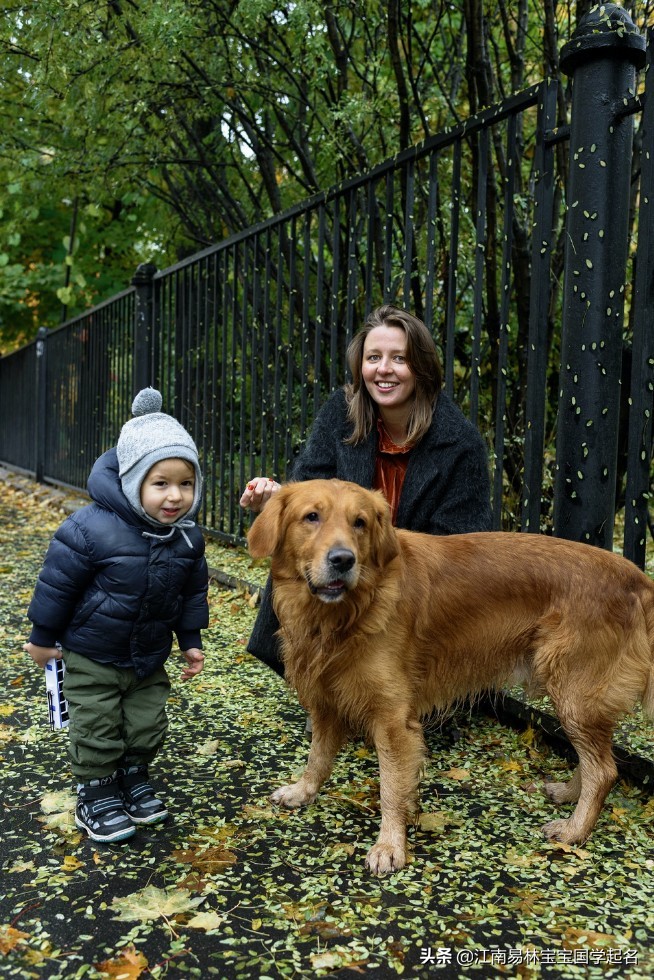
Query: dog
383	627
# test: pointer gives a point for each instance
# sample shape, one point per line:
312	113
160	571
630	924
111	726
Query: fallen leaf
209	748
459	774
10	938
437	821
152	903
128	965
557	845
71	863
510	765
206	859
209	921
586	937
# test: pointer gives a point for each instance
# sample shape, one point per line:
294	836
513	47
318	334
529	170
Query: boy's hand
194	661
41	655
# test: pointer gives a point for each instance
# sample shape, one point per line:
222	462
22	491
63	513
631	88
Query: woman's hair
421	357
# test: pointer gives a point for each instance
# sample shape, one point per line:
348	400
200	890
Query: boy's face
168	489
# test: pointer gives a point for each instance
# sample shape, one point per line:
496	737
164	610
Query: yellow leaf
71	863
256	924
128	965
579	852
209	921
436	822
207	859
209	748
6	709
152	903
56	802
10	937
459	774
528	736
326	961
511	765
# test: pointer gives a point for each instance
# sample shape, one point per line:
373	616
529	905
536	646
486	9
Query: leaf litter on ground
232	886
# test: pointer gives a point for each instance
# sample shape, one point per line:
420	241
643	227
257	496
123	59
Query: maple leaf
511	765
206	859
57	802
459	774
7	733
128	965
438	821
59	810
209	921
71	863
10	938
209	748
558	845
151	903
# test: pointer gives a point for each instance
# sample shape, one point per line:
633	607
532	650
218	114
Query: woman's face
388	378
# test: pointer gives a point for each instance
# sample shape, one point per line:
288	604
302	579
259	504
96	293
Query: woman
394	430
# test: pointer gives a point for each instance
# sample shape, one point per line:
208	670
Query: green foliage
172	125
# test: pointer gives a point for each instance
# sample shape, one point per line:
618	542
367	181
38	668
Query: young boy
120	576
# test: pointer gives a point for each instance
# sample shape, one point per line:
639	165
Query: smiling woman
391	429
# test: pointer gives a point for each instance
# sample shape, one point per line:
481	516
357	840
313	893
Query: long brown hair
421	357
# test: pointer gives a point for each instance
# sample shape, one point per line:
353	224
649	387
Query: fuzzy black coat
446	489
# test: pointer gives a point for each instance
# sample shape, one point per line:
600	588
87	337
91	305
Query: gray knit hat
148	438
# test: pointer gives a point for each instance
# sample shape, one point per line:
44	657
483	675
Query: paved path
230	887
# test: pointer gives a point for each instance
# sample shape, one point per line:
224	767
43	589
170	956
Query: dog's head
326	532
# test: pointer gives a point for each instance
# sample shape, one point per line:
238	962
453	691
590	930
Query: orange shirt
390	468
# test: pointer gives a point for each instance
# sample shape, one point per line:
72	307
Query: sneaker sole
106	838
155	818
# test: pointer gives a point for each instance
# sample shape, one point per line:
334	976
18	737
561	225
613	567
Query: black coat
114	588
446	489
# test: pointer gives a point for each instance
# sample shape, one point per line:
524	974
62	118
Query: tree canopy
137	131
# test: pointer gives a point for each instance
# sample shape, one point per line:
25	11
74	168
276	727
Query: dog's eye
360	522
312	517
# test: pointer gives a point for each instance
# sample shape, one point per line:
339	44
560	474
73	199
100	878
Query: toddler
119	578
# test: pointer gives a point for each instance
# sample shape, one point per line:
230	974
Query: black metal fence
246	338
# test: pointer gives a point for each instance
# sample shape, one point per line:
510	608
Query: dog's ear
265	533
385	545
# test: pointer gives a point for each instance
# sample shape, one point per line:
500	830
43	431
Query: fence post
143	281
602	58
40	418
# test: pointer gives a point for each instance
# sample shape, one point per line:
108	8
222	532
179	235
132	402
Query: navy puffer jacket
115	589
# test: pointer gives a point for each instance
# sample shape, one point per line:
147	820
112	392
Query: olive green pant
115	718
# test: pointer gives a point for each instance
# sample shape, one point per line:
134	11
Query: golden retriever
380	628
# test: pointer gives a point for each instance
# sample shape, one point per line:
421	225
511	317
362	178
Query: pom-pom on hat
148	438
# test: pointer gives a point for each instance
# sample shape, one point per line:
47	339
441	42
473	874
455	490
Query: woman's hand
41	655
194	663
257	493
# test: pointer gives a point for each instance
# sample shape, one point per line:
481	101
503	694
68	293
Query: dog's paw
296	794
383	859
563	831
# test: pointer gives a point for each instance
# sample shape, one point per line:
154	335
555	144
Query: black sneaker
100	811
139	799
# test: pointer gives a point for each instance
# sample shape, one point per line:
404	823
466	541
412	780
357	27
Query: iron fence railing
246	338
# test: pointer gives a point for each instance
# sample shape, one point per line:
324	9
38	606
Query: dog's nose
341	559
